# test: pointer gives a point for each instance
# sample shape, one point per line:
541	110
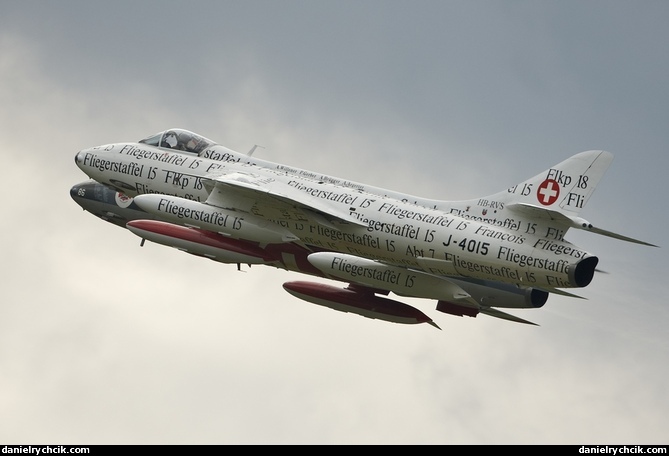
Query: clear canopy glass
179	139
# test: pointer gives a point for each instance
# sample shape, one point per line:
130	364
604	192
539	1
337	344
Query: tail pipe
582	274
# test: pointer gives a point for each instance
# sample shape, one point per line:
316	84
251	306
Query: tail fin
564	188
557	194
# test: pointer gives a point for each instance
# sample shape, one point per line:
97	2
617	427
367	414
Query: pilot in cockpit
170	140
192	143
178	139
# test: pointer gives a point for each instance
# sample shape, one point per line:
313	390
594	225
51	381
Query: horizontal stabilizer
561	292
503	315
542	213
617	236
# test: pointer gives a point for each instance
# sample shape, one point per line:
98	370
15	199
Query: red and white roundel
548	192
122	200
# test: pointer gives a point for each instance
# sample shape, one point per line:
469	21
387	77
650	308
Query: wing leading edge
268	196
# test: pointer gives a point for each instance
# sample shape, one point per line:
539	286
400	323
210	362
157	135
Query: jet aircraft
503	251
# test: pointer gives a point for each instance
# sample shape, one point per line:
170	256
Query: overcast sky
104	342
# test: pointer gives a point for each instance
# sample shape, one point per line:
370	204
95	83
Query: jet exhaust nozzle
582	274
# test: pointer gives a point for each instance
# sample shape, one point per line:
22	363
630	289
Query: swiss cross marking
548	192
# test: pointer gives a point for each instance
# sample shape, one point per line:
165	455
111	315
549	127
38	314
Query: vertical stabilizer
557	195
564	188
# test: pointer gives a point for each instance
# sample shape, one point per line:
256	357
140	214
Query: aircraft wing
270	197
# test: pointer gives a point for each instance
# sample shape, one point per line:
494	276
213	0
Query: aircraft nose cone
74	192
84	193
79	158
80	193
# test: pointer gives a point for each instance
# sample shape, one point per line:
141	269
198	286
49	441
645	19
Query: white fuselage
388	226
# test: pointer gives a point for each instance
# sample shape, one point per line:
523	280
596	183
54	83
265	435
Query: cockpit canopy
179	139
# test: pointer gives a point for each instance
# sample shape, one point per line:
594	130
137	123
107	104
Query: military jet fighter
503	251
